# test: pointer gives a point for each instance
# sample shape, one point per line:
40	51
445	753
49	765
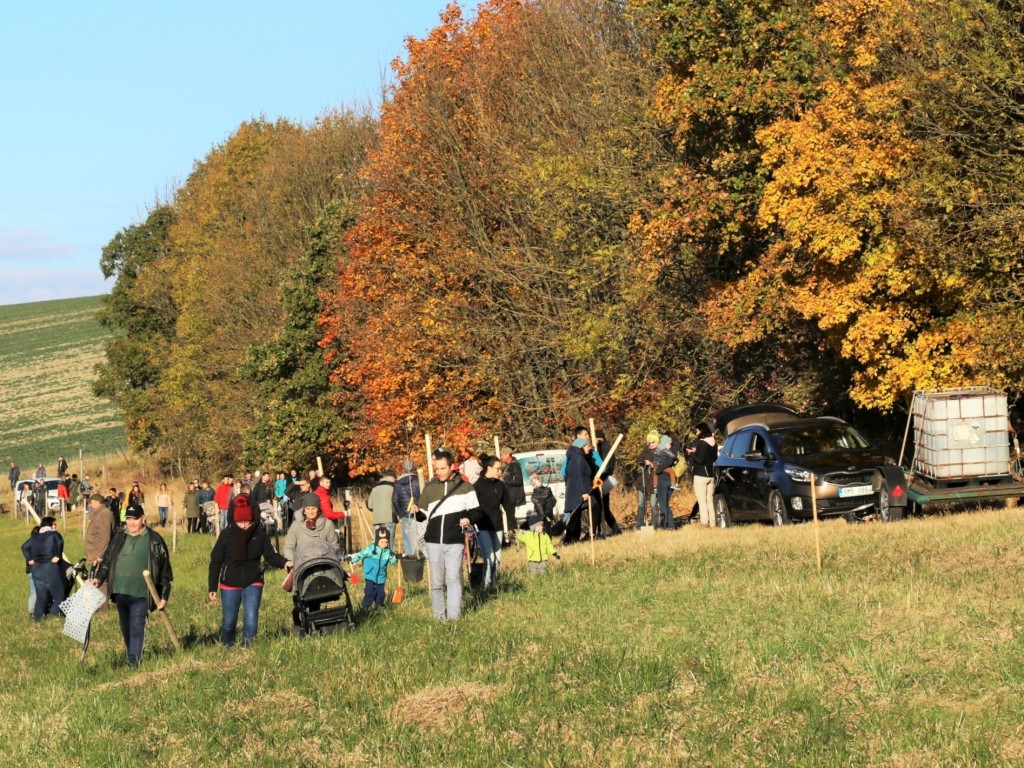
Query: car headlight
799	474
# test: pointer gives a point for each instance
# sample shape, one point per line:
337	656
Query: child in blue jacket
375	558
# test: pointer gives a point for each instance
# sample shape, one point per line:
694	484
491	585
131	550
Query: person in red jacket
326	507
222	496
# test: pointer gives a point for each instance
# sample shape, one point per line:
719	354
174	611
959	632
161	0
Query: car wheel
890	514
777	509
723	518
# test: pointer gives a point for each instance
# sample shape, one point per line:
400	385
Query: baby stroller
211	517
320	579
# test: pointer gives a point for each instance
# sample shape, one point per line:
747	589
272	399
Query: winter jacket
512	477
204	495
579	471
407	487
538	546
231	573
645	478
98	534
260	493
702	461
222	495
43	547
159	563
191	504
493	497
326	506
379	503
375	562
543	502
443	518
298	534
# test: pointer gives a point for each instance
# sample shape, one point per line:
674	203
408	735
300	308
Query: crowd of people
468	496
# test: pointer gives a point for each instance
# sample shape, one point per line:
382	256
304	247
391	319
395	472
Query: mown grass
48	351
697	647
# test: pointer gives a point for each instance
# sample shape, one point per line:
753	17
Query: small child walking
375	558
538	545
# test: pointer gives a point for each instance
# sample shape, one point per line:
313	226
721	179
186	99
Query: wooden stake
497	447
817	529
162	611
430	458
319	466
590	516
593	433
174	529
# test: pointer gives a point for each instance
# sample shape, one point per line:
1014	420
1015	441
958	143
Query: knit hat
382	533
309	500
653	437
243	512
665	442
579	442
534	519
98	497
388	473
135	511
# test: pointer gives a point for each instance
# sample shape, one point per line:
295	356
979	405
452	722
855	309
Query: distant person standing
380	504
62	466
39	498
512	477
407	493
163	504
191	505
98	533
701	456
14	474
40	471
86	487
223	496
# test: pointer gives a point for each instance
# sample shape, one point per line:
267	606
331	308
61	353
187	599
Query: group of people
474	496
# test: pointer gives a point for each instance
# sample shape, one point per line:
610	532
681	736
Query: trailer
964	451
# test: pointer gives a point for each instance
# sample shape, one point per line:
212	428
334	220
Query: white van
547	465
23	490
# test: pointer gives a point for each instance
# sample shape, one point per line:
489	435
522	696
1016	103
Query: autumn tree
487	286
142	316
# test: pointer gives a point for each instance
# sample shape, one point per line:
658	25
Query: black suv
764	470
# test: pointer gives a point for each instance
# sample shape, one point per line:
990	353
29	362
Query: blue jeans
48	584
163	514
132	613
664	517
409	539
374	593
490	548
641	507
31	594
445	562
223	519
249	600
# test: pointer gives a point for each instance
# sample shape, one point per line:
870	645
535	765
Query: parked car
548	465
764	470
23	490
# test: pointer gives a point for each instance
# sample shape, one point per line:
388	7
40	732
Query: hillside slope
47	353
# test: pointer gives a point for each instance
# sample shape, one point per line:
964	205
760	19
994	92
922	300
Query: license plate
855	490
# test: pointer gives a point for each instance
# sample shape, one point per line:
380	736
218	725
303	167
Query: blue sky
105	106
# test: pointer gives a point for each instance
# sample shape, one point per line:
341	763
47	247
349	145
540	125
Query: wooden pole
320	466
590	516
593	433
604	463
817	528
174	528
497	447
162	611
430	458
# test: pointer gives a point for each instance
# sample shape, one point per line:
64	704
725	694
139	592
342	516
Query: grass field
699	647
48	350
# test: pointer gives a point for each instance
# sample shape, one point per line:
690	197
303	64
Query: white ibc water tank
961	433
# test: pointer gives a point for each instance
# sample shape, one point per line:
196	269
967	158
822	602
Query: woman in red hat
236	568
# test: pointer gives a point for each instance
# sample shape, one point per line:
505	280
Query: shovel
399	591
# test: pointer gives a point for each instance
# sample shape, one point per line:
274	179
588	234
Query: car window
742	444
729	449
549	468
756	444
820	438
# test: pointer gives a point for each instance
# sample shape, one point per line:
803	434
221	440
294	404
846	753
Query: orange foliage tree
487	286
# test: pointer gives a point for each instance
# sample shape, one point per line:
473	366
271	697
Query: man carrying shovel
134	549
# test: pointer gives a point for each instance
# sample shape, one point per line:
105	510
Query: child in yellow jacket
538	546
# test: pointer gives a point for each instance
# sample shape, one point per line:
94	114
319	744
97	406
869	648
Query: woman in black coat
496	512
236	568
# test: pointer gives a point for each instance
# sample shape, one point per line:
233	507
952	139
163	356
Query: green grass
695	648
48	351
